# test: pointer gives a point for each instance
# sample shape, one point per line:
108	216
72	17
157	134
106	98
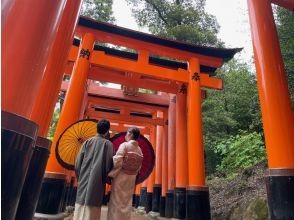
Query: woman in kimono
126	165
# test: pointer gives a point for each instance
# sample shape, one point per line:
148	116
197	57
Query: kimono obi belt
132	163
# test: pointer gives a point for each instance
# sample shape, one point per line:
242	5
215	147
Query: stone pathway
134	215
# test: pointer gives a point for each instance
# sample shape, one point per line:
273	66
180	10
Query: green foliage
285	24
234	108
53	124
100	10
240	151
183	20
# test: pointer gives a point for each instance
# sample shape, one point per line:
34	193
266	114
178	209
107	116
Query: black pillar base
137	201
169	204
70	193
106	198
52	193
148	206
104	201
134	200
143	196
65	195
18	136
33	182
197	204
156	198
280	193
180	203
73	196
162	206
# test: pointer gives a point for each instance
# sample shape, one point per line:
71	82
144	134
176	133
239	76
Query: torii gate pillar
276	109
43	109
197	195
24	57
171	157
70	113
181	154
158	167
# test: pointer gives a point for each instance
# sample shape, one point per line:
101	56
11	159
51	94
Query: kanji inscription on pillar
85	53
196	76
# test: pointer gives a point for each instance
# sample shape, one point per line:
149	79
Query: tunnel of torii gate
34	62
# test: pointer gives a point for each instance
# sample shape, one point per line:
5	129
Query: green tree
100	10
230	110
183	20
240	151
236	106
53	124
285	24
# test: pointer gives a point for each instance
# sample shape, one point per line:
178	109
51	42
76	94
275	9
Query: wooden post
25	52
164	166
171	157
44	105
158	166
69	114
27	36
276	109
137	195
197	194
181	154
143	194
151	178
50	85
74	97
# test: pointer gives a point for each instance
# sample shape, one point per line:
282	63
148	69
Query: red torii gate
188	78
20	93
276	107
197	57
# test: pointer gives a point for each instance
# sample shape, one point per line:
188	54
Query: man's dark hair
135	132
103	126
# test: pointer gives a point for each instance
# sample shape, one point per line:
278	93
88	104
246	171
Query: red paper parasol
148	154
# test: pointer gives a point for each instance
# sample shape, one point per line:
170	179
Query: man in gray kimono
92	166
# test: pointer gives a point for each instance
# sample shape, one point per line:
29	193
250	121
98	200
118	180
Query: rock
153	215
140	210
256	210
241	197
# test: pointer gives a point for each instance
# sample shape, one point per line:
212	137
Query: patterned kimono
126	164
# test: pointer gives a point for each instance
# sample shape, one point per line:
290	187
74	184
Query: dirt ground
231	198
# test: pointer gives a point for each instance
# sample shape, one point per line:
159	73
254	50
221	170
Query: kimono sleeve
109	155
79	160
119	156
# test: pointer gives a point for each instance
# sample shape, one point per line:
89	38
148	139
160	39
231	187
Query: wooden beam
180	75
126	119
150	47
160	101
210	82
107	63
99	58
126	106
109	75
119	127
288	4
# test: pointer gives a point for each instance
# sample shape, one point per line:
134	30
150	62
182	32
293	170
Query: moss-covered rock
256	209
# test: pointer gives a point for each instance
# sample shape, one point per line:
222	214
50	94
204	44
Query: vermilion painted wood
275	102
